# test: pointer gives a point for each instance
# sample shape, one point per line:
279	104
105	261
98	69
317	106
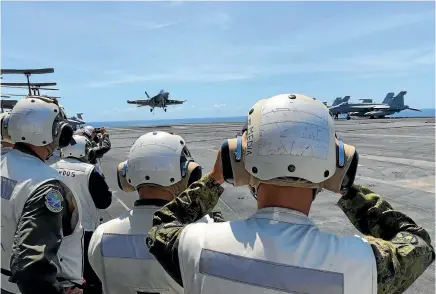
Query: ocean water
160	122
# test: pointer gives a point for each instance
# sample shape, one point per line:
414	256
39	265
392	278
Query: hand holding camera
101	130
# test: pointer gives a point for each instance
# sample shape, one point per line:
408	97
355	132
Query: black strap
6	272
76	285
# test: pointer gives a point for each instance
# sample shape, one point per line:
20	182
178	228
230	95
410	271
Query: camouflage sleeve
402	249
168	222
104	147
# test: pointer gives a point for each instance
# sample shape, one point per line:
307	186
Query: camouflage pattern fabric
402	249
192	204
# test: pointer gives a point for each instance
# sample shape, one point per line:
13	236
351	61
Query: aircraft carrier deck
396	160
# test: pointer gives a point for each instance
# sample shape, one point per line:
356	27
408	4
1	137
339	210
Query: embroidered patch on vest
53	201
7	187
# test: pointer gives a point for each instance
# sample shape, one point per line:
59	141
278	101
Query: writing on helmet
289	140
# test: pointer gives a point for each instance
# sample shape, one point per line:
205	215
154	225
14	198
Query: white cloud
401	61
187	75
220	105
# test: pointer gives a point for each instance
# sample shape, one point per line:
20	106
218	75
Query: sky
219	56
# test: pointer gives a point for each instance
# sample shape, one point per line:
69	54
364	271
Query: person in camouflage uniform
101	144
392	254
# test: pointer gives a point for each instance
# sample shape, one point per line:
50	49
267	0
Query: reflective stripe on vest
125	246
258	273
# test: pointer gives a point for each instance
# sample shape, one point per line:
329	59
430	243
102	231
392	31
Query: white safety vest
276	250
119	255
21	175
76	174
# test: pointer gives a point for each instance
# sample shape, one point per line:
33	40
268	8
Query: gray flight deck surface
396	161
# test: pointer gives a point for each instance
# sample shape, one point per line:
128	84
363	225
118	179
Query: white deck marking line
120	201
405	161
231	210
399	184
355	134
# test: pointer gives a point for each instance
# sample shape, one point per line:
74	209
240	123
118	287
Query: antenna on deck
32	87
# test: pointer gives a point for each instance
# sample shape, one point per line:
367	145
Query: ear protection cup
233	161
4	129
65	136
195	175
92	158
350	176
346	169
244	128
121	178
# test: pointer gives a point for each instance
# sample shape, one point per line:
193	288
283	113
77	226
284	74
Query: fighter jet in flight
390	105
160	100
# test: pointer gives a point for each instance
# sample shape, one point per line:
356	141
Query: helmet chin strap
253	192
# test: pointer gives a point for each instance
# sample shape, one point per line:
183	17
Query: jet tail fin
79	115
346	98
398	100
337	101
388	98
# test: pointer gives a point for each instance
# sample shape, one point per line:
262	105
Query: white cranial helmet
79	147
39	121
290	136
157	158
89	130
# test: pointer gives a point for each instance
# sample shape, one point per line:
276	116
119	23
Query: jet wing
174	102
371	106
145	102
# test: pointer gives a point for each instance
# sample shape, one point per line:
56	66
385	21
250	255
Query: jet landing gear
165	109
348	117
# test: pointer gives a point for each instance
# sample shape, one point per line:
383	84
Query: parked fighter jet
337	101
76	122
340	100
160	100
389	106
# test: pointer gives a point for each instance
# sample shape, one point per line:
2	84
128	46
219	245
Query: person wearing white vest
93	192
6	142
287	155
41	234
101	143
159	167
